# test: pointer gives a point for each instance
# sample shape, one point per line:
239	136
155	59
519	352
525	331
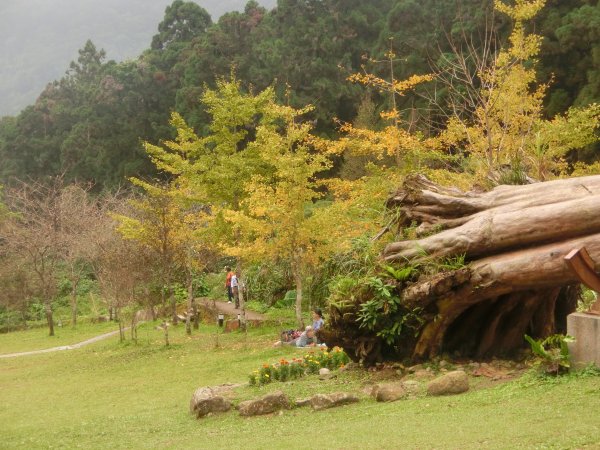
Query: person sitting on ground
317	316
307	338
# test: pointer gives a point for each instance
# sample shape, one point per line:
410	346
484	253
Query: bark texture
514	281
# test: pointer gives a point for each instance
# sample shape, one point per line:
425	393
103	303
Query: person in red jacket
228	283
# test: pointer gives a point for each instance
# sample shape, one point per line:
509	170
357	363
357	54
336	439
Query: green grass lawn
112	395
37	338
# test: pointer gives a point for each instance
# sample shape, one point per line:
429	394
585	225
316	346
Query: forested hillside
39	37
89	123
272	139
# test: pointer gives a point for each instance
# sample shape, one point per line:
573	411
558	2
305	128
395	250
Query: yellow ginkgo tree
506	128
281	217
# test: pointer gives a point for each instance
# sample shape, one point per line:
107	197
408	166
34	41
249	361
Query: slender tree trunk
196	314
190	308
163	298
134	328
166	331
49	318
298	280
121	327
173	305
74	305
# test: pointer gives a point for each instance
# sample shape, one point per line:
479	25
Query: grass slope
118	396
38	339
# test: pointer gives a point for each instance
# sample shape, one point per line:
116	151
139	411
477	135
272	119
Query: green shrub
553	352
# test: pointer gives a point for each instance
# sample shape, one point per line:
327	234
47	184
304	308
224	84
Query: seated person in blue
317	317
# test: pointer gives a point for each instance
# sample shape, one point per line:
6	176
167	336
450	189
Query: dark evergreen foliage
89	125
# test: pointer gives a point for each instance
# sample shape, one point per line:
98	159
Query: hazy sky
38	38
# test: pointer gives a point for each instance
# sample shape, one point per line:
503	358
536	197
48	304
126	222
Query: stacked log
514	240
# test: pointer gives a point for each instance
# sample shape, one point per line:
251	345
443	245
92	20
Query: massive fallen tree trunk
515	280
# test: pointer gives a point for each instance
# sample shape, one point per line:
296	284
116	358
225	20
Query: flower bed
286	370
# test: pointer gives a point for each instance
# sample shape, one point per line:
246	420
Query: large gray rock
324	401
454	382
208	400
390	392
268	404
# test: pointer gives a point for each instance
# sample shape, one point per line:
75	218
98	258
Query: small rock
268	404
206	400
325	374
454	382
324	401
390	392
443	364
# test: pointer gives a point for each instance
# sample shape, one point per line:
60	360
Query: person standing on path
235	288
228	283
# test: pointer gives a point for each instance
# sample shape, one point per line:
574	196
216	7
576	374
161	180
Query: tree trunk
298	280
190	308
174	317
134	328
74	306
491	232
515	280
49	318
165	326
196	314
121	327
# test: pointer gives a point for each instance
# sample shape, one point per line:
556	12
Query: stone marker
454	382
268	404
585	328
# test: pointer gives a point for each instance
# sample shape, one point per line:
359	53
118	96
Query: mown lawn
37	338
115	396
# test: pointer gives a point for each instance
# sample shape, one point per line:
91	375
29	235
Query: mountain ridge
38	38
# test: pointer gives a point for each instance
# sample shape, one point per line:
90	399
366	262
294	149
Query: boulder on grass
324	401
208	400
390	392
268	404
455	382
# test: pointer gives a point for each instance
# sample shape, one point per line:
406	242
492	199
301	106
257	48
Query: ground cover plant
112	395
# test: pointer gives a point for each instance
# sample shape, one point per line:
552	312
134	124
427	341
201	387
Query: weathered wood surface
514	239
